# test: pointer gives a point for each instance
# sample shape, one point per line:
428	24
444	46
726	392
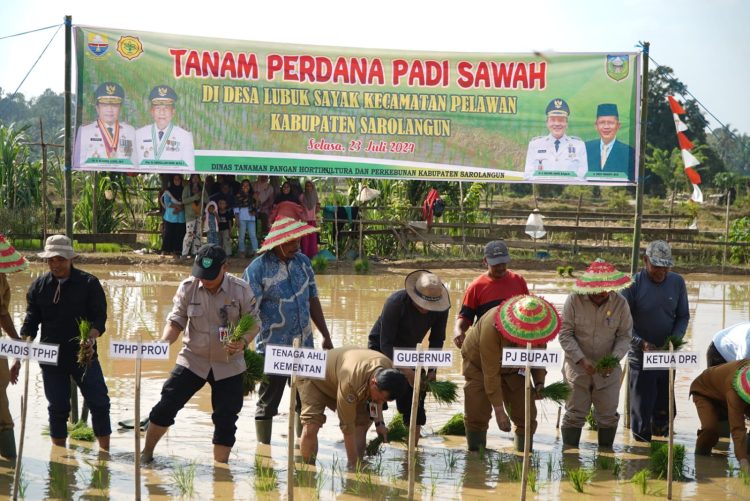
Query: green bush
740	232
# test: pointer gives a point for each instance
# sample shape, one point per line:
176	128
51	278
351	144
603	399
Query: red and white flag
685	146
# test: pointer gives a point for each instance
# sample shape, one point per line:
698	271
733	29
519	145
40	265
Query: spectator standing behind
659	305
287	204
211	223
10	262
727	345
310	208
408	314
225	216
489	289
246	215
263	192
58	300
192	203
206	305
174	217
283	282
596	323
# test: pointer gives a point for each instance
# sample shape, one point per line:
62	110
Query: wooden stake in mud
292	435
24	406
526	426
412	457
137	422
670	461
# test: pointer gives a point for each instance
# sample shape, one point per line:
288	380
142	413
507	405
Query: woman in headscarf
310	208
174	217
287	205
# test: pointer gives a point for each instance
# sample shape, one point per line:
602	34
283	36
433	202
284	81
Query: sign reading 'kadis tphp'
43	353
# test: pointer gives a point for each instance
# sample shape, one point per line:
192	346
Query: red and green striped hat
527	319
10	260
283	230
601	276
741	382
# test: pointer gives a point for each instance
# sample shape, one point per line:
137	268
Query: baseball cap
208	261
659	253
496	252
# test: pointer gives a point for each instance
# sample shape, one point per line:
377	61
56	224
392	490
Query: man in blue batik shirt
283	282
659	305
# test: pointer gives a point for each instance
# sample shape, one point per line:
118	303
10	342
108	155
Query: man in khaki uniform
596	322
354	376
490	386
719	391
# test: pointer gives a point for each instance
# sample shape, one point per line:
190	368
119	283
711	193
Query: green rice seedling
603	462
397	432
81	431
745	477
591	420
361	266
433	483
243	326
569	271
677	343
254	374
617	467
23	482
266	478
183	477
319	264
444	392
550	466
99	475
659	460
606	362
515	470
580	477
84	327
59	486
454	426
561	271
640	480
531	480
558	392
450	459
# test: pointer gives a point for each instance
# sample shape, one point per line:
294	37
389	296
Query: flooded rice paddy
139	300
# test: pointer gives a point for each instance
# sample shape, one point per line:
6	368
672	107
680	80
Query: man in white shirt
163	144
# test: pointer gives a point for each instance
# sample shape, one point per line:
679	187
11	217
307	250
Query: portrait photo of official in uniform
162	143
557	154
107	141
607	156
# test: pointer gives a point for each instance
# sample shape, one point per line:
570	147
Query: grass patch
454	426
361	266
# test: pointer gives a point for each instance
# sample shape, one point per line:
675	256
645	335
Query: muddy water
138	304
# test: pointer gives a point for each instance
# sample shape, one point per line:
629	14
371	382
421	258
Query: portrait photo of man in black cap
607	155
162	143
107	141
556	155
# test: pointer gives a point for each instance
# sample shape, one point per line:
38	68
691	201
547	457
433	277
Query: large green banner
168	103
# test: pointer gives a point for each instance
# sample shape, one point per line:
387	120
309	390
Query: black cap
557	108
208	261
110	93
162	94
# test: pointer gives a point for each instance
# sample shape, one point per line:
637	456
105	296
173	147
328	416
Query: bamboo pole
24	405
634	258
670	462
526	425
291	433
726	232
412	456
137	427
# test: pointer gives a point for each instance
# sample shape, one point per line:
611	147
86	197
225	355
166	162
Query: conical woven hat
601	276
741	382
285	230
527	319
10	260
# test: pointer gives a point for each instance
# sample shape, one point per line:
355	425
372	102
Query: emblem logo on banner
98	45
129	47
618	67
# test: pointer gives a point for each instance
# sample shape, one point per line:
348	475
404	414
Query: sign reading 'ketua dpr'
134	349
520	357
288	361
665	359
429	358
43	353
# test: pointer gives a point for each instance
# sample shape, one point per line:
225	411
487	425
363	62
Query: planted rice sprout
444	392
397	432
640	480
183	477
659	460
84	328
59	484
580	477
558	392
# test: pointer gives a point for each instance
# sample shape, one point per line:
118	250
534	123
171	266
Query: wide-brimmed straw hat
10	260
283	230
527	319
741	382
58	245
427	291
601	276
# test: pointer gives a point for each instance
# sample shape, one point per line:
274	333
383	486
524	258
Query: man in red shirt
489	289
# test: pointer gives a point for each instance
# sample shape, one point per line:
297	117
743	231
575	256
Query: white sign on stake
135	349
665	359
302	362
428	358
44	353
519	357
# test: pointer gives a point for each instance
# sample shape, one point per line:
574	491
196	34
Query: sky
705	43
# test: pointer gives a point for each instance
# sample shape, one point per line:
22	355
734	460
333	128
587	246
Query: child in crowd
211	223
245	212
225	217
